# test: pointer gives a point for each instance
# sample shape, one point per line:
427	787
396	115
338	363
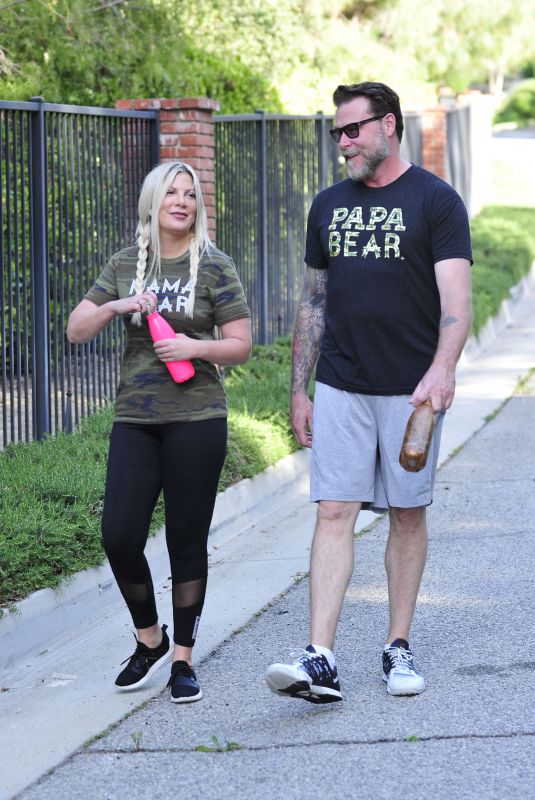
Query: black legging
184	459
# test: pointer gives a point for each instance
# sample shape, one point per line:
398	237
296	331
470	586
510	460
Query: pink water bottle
160	329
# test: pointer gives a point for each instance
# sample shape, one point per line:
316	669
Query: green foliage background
260	54
503	244
90	53
519	107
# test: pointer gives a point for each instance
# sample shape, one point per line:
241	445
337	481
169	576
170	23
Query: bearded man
385	313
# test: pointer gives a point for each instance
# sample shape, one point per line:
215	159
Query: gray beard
370	162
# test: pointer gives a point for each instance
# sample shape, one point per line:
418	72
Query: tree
91	52
260	54
457	43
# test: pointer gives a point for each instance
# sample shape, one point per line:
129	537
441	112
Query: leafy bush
503	241
519	107
151	50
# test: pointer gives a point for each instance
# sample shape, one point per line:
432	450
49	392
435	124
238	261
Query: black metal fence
412	141
69	180
268	169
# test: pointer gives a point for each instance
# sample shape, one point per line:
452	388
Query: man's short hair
383	99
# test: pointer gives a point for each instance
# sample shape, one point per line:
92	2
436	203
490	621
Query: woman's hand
88	319
234	347
144	302
181	348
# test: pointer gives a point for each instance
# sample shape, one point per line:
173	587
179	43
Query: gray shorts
355	451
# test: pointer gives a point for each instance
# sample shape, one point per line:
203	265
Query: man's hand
301	419
438	384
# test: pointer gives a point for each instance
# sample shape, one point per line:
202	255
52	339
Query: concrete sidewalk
470	635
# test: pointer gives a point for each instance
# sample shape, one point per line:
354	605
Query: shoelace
400	659
183	669
141	651
313	662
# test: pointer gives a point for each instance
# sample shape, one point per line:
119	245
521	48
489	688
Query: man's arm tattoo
309	326
447	319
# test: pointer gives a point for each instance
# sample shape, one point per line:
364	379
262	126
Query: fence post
40	276
185	132
261	151
322	154
155	141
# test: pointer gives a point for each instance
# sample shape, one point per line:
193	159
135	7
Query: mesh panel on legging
188	601
139	597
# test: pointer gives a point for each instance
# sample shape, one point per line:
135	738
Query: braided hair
153	191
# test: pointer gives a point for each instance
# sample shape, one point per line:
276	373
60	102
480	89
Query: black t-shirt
380	246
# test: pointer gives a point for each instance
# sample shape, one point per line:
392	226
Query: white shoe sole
192	699
404	691
286	680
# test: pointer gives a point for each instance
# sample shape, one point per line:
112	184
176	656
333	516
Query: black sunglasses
352	129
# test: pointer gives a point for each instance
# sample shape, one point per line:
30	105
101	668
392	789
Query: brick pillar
186	134
434	141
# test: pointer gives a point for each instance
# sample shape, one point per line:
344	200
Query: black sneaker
309	678
399	672
183	683
143	663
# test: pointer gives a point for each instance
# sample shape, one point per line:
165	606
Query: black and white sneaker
398	670
183	683
143	663
310	678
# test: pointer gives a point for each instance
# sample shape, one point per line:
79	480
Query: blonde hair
151	197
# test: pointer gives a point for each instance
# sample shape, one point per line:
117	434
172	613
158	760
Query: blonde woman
167	437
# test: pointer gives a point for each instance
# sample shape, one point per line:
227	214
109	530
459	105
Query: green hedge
503	241
519	107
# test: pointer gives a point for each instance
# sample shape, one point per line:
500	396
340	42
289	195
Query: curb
475	346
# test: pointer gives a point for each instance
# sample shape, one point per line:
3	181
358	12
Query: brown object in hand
415	447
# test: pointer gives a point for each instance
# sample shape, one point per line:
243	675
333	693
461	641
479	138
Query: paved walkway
470	734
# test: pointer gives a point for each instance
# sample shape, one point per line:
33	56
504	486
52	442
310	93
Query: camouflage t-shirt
147	393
